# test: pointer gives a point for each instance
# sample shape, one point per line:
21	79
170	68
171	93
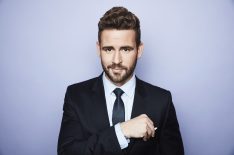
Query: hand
138	127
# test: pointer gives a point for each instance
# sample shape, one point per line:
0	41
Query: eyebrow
107	47
128	47
122	47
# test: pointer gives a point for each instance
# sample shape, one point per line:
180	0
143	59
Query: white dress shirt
127	97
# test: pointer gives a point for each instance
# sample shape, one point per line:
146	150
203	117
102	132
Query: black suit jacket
85	128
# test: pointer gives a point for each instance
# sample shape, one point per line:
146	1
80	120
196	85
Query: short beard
118	79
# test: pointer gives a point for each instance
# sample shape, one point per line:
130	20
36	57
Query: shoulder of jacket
87	84
153	88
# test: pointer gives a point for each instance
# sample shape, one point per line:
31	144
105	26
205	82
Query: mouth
117	70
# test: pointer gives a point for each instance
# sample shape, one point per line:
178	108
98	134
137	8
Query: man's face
119	53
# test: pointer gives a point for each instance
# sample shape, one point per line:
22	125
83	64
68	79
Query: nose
117	58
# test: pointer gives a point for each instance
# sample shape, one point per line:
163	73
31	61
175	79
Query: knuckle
145	119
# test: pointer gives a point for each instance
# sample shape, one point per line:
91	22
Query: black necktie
118	109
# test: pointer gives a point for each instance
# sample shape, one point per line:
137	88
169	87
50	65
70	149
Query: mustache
116	66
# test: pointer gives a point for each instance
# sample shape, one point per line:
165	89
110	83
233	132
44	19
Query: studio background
46	45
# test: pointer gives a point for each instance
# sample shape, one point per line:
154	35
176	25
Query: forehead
114	36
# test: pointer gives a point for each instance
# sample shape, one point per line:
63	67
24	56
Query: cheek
129	60
106	59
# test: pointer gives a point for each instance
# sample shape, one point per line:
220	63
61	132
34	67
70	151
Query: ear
140	50
98	49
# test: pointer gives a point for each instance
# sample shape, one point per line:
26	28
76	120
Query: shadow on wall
232	153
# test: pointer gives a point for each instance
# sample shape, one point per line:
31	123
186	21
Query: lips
116	70
117	67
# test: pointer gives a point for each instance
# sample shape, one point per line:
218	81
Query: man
117	113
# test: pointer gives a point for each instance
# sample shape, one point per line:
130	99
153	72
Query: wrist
124	130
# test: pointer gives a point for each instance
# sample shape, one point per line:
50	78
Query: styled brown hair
121	19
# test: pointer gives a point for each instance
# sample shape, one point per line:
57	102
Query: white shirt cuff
123	142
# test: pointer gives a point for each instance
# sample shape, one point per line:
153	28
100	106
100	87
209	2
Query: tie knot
118	92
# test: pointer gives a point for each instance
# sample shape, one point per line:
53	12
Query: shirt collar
128	87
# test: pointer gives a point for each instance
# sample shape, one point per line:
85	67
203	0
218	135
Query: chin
119	79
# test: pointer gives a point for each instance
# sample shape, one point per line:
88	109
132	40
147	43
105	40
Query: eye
126	50
108	50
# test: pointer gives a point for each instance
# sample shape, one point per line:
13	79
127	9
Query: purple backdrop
48	44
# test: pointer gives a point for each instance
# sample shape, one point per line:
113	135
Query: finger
143	116
145	138
149	132
146	119
150	121
150	129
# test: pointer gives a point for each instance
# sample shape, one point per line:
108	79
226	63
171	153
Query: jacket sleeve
170	138
74	141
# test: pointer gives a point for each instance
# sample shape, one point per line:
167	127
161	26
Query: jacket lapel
139	102
101	121
138	107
